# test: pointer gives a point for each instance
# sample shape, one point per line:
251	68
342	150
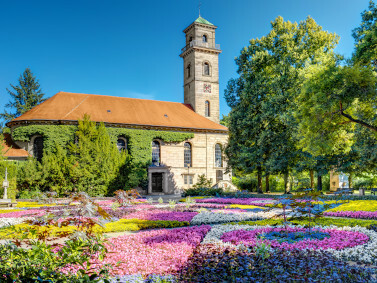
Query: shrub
203	192
202	182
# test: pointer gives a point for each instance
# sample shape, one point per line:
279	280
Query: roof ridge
93	94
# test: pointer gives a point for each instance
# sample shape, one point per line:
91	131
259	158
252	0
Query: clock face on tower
207	88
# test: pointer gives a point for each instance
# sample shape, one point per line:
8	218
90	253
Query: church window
121	144
190	39
206	69
187	154
218	156
207	110
38	148
204	38
156	152
188	71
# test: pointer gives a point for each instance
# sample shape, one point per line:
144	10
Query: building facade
174	164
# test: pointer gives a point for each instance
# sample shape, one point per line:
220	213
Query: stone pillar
165	188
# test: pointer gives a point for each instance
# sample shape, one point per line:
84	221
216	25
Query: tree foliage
263	128
366	38
24	96
90	164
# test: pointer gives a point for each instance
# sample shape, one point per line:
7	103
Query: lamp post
188	174
6	184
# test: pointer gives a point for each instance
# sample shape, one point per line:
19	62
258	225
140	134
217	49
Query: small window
38	148
121	144
207	109
156	152
188	71
218	156
219	175
190	39
204	38
206	69
188	179
187	154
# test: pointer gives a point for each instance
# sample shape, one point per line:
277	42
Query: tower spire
200	4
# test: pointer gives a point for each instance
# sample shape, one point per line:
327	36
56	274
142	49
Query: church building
173	165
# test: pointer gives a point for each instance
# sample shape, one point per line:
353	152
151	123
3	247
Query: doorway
157	183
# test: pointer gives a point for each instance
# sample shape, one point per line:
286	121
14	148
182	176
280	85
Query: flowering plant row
345	243
151	252
356	205
243	201
353	214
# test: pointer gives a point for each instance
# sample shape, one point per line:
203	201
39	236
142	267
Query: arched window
188	70
204	38
156	152
38	148
121	144
206	69
207	109
190	39
187	155
218	156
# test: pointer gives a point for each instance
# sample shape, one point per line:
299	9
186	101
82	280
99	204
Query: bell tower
201	69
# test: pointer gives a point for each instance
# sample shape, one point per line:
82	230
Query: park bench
344	191
373	191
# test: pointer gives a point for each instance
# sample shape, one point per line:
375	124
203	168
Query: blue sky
131	48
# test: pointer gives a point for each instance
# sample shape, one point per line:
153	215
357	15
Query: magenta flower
338	240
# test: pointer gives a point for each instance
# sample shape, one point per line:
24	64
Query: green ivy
139	141
61	134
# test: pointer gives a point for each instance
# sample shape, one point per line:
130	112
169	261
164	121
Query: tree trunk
319	182
350	181
312	179
286	175
267	183
259	174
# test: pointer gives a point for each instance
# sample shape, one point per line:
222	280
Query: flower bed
216	217
216	263
161	215
353	214
243	201
23	213
356	205
117	226
330	238
346	243
157	251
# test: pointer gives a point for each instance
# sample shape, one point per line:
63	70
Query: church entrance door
157	183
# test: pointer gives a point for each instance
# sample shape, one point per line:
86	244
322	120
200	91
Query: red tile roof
10	149
65	106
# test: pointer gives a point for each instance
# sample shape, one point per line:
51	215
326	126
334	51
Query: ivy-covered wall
59	134
139	141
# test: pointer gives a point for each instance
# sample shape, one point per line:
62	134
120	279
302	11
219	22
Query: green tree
333	102
92	164
24	96
263	129
366	38
97	160
225	120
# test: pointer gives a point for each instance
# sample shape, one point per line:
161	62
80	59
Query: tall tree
334	101
366	38
271	71
339	99
24	96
